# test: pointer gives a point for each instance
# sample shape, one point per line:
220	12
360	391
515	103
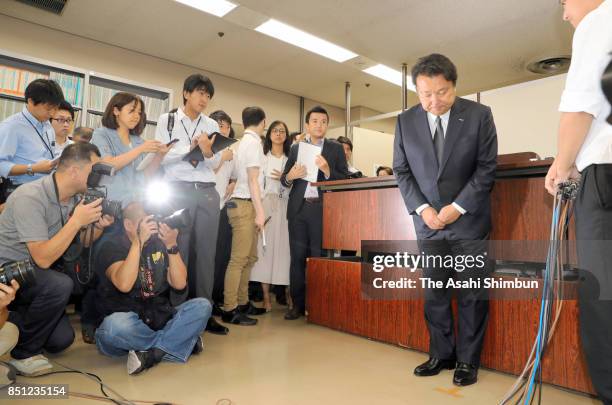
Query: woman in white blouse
274	260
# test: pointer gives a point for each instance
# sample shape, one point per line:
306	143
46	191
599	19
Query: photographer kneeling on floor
142	275
36	225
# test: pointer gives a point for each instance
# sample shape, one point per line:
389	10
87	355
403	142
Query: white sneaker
32	365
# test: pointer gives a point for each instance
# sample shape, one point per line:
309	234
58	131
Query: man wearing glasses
62	122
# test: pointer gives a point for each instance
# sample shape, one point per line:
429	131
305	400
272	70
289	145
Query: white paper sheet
307	154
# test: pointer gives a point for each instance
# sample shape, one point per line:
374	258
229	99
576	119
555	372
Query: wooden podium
373	209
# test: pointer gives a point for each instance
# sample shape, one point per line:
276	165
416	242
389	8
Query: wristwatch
173	250
29	170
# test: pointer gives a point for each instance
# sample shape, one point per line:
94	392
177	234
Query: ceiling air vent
550	66
52	6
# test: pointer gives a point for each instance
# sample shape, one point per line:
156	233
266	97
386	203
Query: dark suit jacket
467	172
333	152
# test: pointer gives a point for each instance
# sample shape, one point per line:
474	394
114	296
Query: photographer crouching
36	229
142	281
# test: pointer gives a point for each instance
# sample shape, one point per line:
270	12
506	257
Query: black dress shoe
216	310
433	366
465	374
293	314
237	318
250	309
215	327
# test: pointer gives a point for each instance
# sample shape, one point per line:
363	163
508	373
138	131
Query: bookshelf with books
101	88
17	71
88	92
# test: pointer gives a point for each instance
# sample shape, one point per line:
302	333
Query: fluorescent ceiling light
214	7
391	75
305	40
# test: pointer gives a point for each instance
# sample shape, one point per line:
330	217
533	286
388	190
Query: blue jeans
124	331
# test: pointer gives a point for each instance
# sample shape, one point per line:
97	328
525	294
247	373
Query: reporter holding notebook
193	185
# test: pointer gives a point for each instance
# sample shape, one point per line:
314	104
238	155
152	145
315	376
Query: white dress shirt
185	130
591	49
224	175
249	154
312	191
431	118
60	148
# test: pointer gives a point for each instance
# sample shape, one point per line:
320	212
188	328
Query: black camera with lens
177	220
21	271
95	191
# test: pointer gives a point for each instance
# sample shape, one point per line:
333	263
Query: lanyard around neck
194	130
48	143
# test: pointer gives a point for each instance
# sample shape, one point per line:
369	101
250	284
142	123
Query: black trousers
39	313
472	303
89	311
594	245
197	243
224	251
305	239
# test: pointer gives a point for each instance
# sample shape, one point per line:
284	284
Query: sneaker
7	375
138	362
237	318
31	366
199	346
250	309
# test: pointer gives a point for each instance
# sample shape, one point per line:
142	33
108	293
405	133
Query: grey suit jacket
465	176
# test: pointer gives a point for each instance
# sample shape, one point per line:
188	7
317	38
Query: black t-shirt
152	278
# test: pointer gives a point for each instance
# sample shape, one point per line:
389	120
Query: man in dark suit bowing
305	208
444	160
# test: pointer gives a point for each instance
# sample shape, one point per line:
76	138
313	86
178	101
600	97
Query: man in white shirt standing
246	217
585	151
193	187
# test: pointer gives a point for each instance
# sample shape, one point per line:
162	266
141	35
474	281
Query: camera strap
58	199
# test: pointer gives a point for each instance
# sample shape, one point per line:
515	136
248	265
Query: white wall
386	125
369	148
526	115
